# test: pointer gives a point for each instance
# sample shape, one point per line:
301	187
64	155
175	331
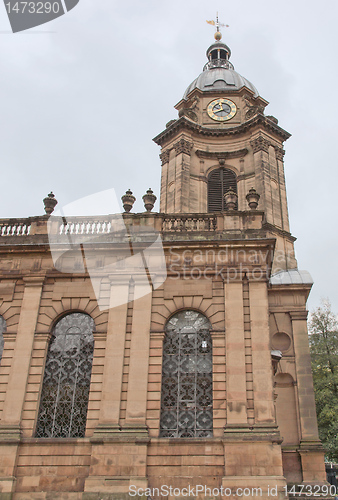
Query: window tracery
186	406
65	390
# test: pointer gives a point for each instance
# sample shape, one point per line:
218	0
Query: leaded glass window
186	406
2	330
65	390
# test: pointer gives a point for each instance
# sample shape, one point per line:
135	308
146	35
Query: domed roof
219	74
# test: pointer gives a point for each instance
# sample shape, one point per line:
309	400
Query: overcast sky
82	97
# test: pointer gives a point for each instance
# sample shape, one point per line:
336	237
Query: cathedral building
143	352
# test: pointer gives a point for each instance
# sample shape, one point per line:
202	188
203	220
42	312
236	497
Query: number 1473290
33	7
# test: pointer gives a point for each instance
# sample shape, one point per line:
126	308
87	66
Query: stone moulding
185	124
221	155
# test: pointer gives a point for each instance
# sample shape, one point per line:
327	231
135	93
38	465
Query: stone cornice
274	229
185	124
221	155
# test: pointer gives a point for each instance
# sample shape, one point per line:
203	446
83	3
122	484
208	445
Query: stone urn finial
50	203
128	201
149	200
253	198
230	199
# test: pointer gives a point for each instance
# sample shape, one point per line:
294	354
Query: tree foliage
323	329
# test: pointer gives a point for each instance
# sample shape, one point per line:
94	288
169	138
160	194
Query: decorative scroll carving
164	156
260	144
190	111
186	407
221	155
279	153
183	146
252	109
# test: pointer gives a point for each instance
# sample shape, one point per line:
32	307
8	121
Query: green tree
323	329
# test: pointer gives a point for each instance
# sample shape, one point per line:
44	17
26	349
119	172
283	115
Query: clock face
222	110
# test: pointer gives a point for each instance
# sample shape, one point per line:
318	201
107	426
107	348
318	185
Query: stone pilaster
10	424
182	178
260	146
282	187
139	362
164	180
235	352
261	354
114	356
311	451
118	457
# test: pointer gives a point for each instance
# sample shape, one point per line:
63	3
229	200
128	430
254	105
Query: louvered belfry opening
219	181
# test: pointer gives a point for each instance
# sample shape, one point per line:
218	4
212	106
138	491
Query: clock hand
219	110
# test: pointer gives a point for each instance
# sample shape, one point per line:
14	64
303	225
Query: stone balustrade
109	226
15	227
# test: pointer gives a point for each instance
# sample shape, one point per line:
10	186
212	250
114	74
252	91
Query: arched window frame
187	390
219	181
67	375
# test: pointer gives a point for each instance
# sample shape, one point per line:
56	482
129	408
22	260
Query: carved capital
260	144
299	315
34	281
165	156
183	146
279	153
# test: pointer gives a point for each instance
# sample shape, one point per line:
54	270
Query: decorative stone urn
252	198
149	200
50	203
230	199
128	201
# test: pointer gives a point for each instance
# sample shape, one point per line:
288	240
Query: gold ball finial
218	36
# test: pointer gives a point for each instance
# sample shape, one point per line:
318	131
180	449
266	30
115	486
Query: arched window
2	330
186	407
219	181
65	390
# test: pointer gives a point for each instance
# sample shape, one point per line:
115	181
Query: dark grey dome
219	74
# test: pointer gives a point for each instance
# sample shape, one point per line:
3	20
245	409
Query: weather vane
218	34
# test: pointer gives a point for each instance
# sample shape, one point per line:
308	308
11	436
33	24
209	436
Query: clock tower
223	170
222	139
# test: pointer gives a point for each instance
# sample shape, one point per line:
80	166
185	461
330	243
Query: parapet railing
120	223
191	222
15	227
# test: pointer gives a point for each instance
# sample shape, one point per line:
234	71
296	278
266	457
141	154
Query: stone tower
223	156
222	130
